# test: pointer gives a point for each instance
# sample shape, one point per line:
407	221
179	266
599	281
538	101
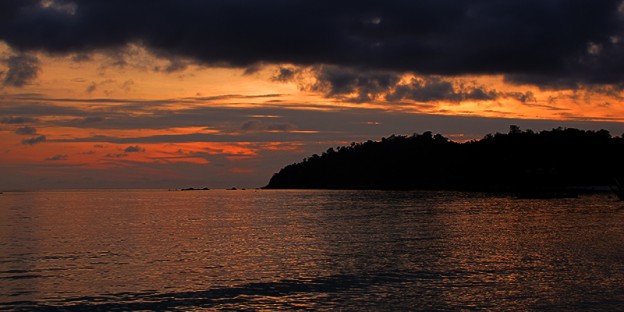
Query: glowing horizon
108	109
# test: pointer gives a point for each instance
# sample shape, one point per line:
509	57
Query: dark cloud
91	119
81	57
91	87
134	149
85	121
283	127
34	140
285	74
349	84
36	109
57	157
524	97
551	43
145	114
251	125
222	138
16	120
175	65
354	125
259	126
253	68
26	131
22	70
549	107
232	124
343	82
88	121
431	89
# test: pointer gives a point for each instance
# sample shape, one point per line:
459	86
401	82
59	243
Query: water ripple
308	250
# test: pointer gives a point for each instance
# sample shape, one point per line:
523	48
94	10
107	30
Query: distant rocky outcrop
561	158
195	189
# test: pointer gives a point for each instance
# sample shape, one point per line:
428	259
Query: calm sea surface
320	250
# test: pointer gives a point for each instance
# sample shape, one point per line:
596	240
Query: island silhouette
552	163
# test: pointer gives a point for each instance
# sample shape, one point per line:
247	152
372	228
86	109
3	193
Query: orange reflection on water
324	250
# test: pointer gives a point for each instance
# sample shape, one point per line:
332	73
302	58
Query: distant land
558	159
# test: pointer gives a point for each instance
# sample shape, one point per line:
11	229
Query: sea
251	250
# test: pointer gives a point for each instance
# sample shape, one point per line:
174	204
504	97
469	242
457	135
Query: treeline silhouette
558	159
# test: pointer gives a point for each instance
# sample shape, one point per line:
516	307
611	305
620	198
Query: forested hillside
559	158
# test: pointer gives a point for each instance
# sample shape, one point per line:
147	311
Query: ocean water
308	250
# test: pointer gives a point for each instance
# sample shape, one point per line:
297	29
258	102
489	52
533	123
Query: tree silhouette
561	158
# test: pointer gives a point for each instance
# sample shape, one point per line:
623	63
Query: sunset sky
223	93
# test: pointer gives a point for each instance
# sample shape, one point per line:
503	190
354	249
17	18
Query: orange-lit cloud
104	108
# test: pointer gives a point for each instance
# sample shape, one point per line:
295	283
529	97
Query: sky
224	93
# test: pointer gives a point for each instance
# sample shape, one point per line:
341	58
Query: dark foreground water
321	250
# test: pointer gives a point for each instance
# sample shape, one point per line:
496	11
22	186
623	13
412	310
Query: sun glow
134	110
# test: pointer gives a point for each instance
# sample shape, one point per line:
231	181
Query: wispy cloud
26	131
258	126
16	120
58	157
34	140
134	149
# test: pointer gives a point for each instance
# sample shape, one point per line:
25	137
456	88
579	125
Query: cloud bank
556	44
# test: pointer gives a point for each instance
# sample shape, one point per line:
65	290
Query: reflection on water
348	250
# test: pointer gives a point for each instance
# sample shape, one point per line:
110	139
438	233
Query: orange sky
124	121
